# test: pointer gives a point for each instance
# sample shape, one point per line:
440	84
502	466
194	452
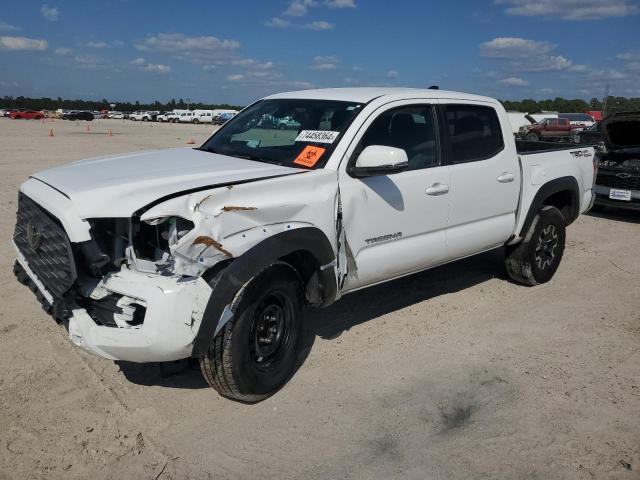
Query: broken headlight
152	238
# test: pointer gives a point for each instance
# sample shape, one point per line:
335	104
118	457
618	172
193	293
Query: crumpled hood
621	130
117	186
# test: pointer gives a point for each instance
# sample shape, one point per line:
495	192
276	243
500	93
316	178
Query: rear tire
536	258
255	353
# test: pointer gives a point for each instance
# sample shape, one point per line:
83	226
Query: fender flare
256	259
556	185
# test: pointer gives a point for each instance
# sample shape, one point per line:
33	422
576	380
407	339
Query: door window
410	128
474	133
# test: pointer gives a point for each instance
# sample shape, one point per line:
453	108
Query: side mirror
379	160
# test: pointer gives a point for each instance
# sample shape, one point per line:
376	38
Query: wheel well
308	267
563	201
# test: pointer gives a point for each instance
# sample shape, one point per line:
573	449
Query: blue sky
237	51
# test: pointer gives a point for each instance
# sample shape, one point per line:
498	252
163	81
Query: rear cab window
474	132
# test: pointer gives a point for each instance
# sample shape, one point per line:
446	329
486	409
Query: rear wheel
536	258
255	352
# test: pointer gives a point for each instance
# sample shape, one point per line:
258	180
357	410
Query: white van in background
185	117
202	116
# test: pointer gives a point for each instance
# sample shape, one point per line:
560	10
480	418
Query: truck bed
526	147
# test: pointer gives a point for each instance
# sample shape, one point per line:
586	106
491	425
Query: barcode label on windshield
319	136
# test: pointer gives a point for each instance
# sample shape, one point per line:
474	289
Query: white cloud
329	62
63	51
235	77
276	22
631	56
89	62
605	75
96	44
194	49
157	68
393	74
299	8
340	3
526	55
22	44
514	82
318	25
546	63
571	9
5	27
251	63
513	47
50	13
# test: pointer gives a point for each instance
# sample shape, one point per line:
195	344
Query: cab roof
366	94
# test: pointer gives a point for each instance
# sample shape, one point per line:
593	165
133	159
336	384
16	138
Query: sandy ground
455	373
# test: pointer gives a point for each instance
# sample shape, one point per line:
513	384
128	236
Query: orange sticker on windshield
309	156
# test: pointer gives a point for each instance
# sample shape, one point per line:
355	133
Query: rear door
485	178
396	224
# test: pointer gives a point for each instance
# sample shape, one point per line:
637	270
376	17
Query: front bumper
602	198
174	309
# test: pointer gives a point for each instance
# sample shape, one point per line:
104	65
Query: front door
396	224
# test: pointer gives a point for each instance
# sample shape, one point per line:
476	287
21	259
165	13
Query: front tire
537	257
532	137
255	353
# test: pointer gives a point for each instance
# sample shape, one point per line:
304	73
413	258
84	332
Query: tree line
46	103
610	104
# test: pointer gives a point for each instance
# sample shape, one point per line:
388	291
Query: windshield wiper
208	150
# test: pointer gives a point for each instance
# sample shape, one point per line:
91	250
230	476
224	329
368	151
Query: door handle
437	189
506	177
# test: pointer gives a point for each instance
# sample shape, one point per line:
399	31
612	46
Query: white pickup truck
212	252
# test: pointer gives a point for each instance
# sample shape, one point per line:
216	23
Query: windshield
289	132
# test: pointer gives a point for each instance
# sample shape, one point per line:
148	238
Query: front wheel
537	257
532	137
255	353
196	121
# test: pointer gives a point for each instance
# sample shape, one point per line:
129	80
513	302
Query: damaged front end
137	289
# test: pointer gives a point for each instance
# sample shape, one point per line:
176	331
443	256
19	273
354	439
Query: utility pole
606	100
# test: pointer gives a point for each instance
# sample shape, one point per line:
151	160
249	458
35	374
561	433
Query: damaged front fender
230	220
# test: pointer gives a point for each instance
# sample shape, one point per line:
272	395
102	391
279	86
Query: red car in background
27	115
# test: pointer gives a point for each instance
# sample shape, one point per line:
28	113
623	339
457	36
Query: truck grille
45	245
623	180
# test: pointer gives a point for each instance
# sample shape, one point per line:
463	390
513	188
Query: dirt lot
454	373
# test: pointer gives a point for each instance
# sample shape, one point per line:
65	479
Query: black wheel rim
271	330
546	247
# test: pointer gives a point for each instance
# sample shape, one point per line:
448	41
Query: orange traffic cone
51	132
191	141
110	134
